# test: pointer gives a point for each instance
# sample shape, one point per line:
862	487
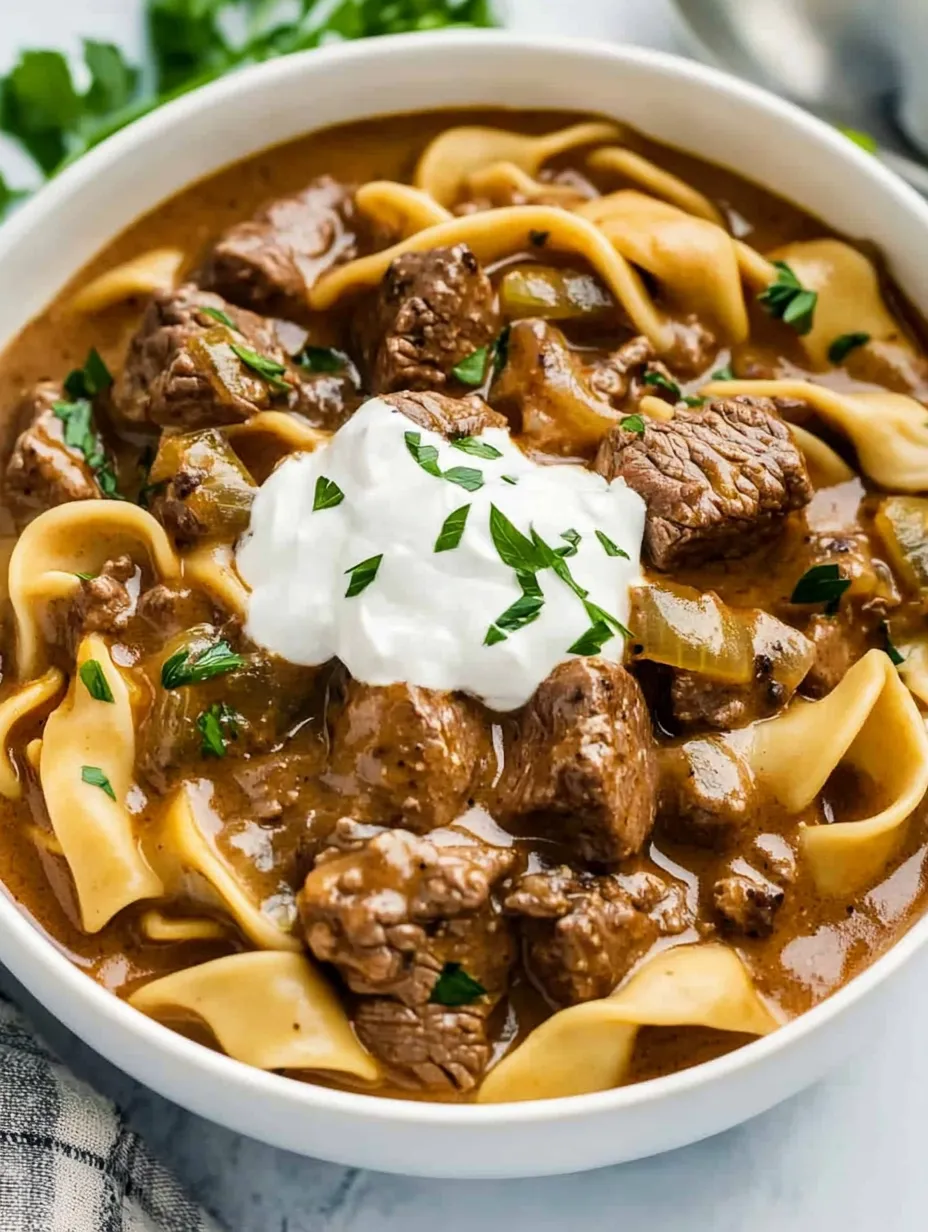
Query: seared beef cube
693	349
747	901
585	753
698	701
716	481
614	377
452	417
583	933
839	641
269	263
392	913
434	1047
707	792
405	755
167	610
44	471
106	603
432	310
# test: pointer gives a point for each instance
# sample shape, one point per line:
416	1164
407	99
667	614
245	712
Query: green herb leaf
477	449
77	418
269	369
501	350
509	479
572	538
609	547
112	79
894	656
184	668
789	301
40	106
96	778
633	423
321	359
455	987
844	344
452	530
90	380
362	575
466	477
525	610
859	137
592	642
471	369
217	314
327	494
658	381
216	725
821	584
724	374
599	615
538	238
493	636
513	548
93	679
425	455
693	400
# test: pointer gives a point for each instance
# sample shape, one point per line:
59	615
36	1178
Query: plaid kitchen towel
67	1161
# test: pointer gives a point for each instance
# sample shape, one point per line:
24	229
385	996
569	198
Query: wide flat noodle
272	1011
154	925
589	1047
211	567
400	207
96	832
27	699
869	722
849	296
76	538
457	153
155	270
193	868
493	234
826	468
505	180
655	180
889	431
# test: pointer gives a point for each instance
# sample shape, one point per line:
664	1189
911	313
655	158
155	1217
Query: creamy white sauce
424	617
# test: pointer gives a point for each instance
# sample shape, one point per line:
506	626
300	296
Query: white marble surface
848	1154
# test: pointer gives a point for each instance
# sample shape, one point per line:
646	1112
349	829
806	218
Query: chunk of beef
270	262
698	701
452	417
692	350
102	604
618	375
169	505
167	610
182	369
584	933
747	901
716	481
393	915
403	754
707	792
585	755
43	470
839	641
432	310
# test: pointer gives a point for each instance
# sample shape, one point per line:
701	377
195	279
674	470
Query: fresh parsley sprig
821	584
789	301
94	681
217	725
455	987
193	667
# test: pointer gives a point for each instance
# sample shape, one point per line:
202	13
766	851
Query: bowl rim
37	950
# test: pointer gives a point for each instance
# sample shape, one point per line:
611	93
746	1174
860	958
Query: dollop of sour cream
384	488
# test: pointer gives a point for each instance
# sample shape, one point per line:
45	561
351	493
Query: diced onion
902	522
551	293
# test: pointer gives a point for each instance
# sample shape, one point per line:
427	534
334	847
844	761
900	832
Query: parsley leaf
466	477
633	423
452	530
659	381
184	668
93	679
513	548
789	301
509	479
214	725
455	987
112	79
40	106
526	609
425	455
362	575
609	547
269	369
327	494
572	538
724	374
90	380
96	778
321	359
471	369
218	315
592	642
477	449
894	656
493	636
821	584
844	344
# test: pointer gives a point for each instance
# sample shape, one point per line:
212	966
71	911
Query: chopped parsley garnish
724	374
90	380
321	359
789	301
633	423
471	369
493	636
455	987
821	584
327	494
894	656
452	530
477	449
184	668
610	548
218	315
425	455
592	641
362	575
571	538
93	679
509	479
268	369
80	434
526	609
539	238
659	381
501	350
512	547
693	400
844	344
466	477
216	725
96	778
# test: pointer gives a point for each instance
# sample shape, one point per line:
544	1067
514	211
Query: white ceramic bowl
714	116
